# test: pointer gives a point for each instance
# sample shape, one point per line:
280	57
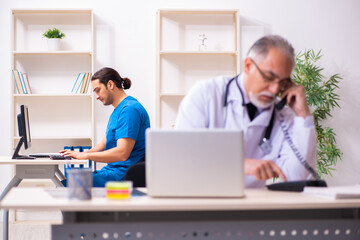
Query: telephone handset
280	105
296	186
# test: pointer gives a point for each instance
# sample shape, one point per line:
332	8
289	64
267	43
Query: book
81	78
88	83
27	84
81	84
338	192
84	83
75	86
22	82
17	82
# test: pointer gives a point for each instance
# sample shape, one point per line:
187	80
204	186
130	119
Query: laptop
194	163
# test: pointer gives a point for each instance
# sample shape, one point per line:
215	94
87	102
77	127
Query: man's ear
110	84
247	65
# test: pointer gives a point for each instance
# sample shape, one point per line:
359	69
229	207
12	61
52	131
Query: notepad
338	192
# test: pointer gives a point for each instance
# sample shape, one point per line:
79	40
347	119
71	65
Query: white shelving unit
57	117
180	63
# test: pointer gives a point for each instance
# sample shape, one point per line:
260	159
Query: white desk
41	168
261	214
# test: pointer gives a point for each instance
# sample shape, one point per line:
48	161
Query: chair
136	174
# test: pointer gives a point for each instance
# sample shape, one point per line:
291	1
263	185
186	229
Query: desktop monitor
24	132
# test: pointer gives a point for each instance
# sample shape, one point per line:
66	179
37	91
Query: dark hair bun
126	84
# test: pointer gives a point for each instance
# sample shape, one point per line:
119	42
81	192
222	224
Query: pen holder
118	190
79	184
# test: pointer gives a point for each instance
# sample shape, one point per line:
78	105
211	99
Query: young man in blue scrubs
124	141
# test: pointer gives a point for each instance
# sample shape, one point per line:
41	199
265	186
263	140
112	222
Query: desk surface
255	199
39	161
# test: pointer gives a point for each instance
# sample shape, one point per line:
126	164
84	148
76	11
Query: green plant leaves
321	96
54	33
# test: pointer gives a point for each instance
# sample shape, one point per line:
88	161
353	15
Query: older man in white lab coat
279	141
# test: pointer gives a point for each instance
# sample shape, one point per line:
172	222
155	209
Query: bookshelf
180	62
58	118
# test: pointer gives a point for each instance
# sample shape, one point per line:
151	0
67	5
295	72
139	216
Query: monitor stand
16	154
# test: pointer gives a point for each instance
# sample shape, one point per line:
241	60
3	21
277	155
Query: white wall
125	39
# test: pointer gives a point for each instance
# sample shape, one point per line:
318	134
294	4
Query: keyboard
40	155
296	186
52	156
59	157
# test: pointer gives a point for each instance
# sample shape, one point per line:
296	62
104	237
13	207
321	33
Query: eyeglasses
284	83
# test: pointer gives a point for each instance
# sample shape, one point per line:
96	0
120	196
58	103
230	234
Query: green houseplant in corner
322	99
53	37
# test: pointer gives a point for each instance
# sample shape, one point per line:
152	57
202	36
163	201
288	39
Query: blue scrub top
128	120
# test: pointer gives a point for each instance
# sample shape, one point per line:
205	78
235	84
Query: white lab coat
203	107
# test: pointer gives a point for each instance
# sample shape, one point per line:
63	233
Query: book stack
21	82
82	83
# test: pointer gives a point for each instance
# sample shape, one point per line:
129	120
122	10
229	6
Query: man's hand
74	154
296	99
263	169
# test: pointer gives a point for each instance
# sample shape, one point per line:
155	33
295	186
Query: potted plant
322	99
53	37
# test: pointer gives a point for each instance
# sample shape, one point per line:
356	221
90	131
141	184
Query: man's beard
108	100
255	99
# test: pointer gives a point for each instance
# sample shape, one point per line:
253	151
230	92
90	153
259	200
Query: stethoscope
265	143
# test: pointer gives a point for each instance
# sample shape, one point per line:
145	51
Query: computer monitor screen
24	132
24	126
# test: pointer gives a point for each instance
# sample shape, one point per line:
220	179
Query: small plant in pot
53	37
